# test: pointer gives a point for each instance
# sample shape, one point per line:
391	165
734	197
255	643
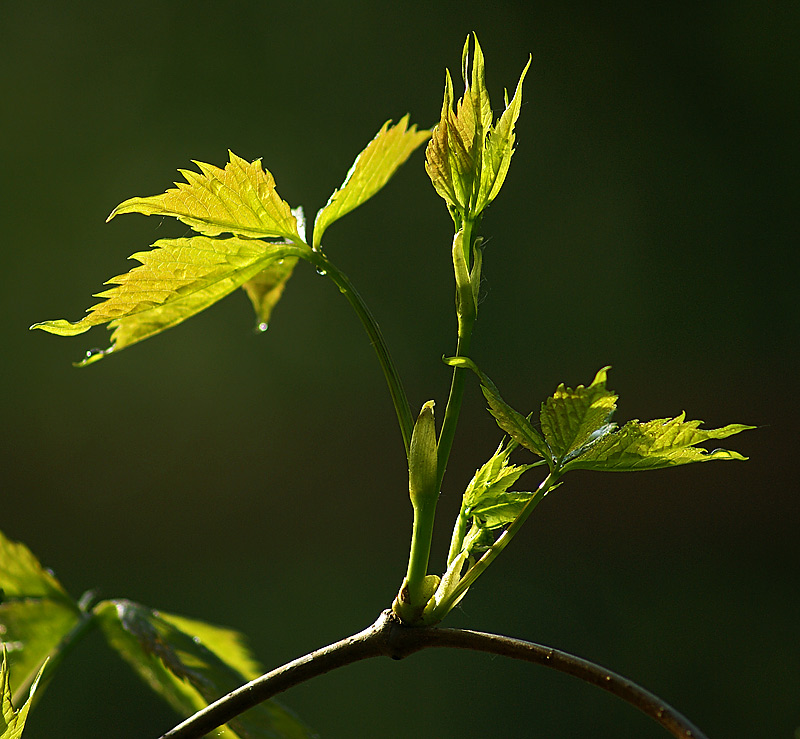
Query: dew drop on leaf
322	272
262	327
92	356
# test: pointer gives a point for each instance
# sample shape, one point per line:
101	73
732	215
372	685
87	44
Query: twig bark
388	637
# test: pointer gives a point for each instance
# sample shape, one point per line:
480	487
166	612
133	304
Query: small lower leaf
12	721
266	288
36	613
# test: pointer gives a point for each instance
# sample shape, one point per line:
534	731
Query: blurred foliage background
647	222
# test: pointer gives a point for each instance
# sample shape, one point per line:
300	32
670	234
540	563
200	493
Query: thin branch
390	638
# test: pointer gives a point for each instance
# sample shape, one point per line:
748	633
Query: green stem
466	322
419	554
472	574
396	390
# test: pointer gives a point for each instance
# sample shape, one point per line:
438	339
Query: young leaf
664	442
35	613
266	288
572	418
240	199
12	721
371	170
467	157
177	279
514	424
422	459
487	498
191	664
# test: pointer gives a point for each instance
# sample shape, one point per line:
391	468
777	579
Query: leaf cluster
576	432
246	236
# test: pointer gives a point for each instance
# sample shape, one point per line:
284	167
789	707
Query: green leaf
487	498
664	442
177	279
12	722
573	418
240	199
36	614
266	288
371	170
192	664
514	424
467	158
422	458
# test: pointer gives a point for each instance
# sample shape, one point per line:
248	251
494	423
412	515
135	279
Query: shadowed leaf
35	613
514	424
371	170
191	664
266	288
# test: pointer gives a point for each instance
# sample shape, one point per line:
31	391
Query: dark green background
648	222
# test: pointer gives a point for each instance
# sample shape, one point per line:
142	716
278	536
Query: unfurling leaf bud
423	459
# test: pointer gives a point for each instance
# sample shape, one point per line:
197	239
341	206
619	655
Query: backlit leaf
240	199
467	158
191	664
664	442
12	721
371	170
35	613
572	418
266	288
177	279
487	498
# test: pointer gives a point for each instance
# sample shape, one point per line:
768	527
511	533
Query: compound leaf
177	279
12	721
240	199
571	419
663	442
192	664
36	614
371	170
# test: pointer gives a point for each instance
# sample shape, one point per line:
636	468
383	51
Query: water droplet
280	261
93	355
262	327
322	272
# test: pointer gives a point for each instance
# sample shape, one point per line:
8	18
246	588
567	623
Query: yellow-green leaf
266	288
664	442
12	721
467	157
240	199
177	279
36	613
572	418
371	170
